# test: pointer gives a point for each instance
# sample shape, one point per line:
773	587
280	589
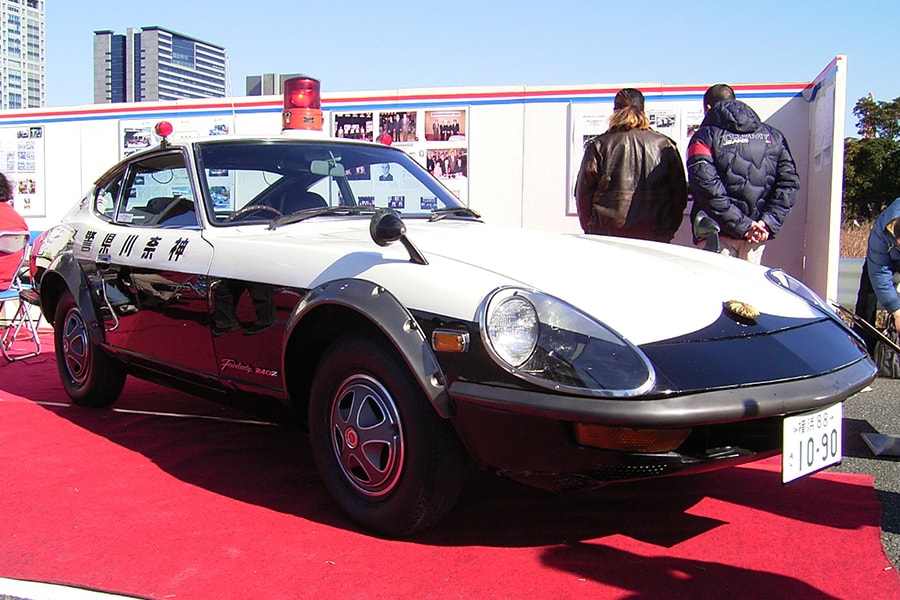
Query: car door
248	315
148	263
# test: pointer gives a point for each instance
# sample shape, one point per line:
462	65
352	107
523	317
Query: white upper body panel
645	291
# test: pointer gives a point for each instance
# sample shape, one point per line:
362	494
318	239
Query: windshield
261	180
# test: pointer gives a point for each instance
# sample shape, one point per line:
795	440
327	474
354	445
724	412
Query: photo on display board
22	156
221	196
447	163
445	125
692	120
589	120
136	139
219	129
354	126
26	186
358	173
400	126
586	121
662	120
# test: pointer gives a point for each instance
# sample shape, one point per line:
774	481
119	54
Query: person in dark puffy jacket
632	181
876	282
741	173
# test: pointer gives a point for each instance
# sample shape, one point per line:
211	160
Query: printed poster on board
588	120
436	139
23	151
136	135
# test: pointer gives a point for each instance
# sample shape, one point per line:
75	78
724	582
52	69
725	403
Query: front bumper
686	410
528	435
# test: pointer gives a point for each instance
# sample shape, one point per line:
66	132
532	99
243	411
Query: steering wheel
178	201
249	209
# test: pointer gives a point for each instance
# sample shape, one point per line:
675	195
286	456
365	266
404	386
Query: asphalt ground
876	410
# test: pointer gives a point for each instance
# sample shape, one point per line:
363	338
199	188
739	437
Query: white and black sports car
413	337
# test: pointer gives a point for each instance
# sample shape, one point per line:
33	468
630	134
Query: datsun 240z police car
413	337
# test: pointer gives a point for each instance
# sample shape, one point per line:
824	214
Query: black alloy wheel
89	376
391	463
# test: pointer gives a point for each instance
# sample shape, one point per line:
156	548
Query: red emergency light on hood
302	104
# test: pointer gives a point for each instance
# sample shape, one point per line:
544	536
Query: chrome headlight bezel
550	343
794	286
791	284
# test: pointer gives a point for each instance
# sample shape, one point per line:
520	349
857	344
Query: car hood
646	291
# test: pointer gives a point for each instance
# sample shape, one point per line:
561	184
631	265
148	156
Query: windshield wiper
440	213
309	213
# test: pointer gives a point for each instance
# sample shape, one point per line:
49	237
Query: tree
872	162
878	119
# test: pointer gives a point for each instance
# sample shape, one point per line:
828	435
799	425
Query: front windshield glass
256	181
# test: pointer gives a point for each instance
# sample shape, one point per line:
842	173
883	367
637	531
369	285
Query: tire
391	463
89	376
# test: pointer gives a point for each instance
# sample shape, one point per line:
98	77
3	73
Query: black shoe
257	327
217	331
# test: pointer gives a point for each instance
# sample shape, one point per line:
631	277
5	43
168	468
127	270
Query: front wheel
89	376
391	463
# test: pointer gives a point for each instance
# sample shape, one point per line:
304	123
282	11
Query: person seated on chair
10	220
876	282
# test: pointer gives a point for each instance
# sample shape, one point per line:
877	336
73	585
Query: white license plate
812	441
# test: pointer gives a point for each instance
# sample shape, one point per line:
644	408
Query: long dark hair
5	188
628	111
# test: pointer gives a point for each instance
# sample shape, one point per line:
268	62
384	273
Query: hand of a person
896	315
757	233
752	234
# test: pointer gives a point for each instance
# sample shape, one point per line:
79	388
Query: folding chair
13	242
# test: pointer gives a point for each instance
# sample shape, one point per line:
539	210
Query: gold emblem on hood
742	310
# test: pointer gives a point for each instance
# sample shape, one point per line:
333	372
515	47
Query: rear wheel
391	463
89	376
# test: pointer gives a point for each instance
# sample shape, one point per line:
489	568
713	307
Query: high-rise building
22	34
267	84
153	63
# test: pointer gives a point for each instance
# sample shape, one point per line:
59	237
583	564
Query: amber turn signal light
629	439
444	340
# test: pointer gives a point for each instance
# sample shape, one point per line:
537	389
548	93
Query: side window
105	197
158	193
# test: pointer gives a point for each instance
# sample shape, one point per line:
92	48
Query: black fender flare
65	273
389	315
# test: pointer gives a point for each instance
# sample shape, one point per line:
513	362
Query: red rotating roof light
302	104
302	92
164	129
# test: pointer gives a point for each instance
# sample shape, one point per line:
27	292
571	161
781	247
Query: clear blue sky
357	45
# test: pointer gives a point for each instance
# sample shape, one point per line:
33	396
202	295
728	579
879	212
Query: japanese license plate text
812	441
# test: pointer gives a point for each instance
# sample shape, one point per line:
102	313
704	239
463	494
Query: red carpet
161	506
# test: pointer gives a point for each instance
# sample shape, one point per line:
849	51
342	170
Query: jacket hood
734	116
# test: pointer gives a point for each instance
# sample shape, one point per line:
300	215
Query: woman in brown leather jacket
632	180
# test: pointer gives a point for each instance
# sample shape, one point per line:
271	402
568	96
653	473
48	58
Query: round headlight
513	329
547	342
